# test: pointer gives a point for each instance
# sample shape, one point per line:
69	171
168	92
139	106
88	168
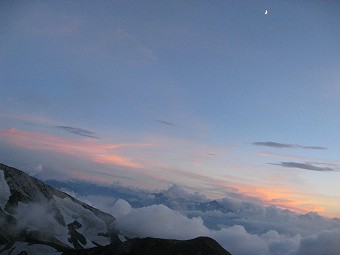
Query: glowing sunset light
107	159
111	154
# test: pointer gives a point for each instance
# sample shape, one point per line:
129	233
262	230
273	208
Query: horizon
220	98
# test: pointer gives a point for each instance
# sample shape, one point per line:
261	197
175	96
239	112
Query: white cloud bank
326	242
163	222
158	221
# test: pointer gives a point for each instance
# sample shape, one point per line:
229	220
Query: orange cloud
106	159
282	197
286	198
292	198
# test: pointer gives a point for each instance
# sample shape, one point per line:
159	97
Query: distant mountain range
36	218
140	198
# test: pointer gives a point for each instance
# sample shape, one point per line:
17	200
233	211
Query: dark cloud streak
305	166
287	145
167	123
78	131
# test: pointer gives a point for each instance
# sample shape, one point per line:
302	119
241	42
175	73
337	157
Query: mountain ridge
156	246
38	213
13	184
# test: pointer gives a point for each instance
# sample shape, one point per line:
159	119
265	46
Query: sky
216	96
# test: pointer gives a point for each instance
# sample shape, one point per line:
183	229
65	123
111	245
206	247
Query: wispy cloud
30	119
306	166
164	122
79	131
287	145
106	159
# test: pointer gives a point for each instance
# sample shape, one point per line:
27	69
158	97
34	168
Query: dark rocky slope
155	246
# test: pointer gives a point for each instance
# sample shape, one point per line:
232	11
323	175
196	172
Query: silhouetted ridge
156	246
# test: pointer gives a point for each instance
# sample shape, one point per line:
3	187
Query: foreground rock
154	246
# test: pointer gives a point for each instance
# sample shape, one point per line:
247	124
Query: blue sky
213	95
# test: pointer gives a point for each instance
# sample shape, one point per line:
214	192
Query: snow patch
5	192
91	225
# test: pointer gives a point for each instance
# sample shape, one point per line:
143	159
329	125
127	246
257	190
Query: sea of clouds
243	228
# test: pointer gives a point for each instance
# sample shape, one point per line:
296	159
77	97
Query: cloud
167	223
37	216
167	123
164	223
327	242
151	159
170	224
78	131
95	151
176	191
305	166
121	208
238	241
245	227
287	145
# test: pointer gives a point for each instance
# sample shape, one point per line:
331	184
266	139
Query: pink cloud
85	149
107	159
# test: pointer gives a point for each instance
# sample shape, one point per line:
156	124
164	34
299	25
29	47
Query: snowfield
91	225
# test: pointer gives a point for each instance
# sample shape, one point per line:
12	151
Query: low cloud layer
305	166
159	221
242	228
78	131
287	146
326	242
167	223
